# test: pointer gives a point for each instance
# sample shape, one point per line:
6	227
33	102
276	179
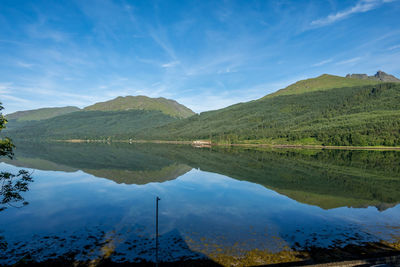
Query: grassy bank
256	143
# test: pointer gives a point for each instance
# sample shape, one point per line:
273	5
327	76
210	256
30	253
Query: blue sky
204	54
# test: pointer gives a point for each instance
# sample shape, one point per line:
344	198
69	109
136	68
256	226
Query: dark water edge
324	182
357	255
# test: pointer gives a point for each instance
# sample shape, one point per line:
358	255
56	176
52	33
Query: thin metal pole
157	199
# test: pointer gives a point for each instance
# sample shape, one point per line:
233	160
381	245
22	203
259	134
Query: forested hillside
166	106
361	115
40	114
307	112
90	125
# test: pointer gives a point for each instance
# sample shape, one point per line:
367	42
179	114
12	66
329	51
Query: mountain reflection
326	178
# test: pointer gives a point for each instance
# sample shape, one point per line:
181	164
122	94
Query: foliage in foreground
11	185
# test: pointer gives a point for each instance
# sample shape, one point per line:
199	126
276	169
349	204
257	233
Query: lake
96	201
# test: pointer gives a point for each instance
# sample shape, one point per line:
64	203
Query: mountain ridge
41	113
379	76
326	82
354	112
140	102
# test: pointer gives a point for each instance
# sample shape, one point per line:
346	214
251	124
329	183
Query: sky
204	54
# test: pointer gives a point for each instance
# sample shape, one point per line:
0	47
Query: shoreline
209	144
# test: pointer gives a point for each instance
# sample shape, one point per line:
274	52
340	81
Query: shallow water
92	201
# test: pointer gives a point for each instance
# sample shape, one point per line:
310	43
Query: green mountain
90	125
121	116
323	82
166	106
360	115
327	110
40	114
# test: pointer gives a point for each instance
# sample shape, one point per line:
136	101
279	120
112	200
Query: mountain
90	125
327	110
358	116
166	106
40	114
323	82
379	76
120	116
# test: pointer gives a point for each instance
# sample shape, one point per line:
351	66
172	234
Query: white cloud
170	64
160	37
5	93
4	88
13	98
348	61
361	7
394	47
24	64
323	62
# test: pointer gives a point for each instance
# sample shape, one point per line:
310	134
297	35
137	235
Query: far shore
204	143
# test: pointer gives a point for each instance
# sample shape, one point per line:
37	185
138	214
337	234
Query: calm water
98	200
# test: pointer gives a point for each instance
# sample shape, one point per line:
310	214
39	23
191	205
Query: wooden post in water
157	199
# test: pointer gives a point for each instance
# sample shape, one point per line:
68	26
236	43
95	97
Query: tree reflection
11	185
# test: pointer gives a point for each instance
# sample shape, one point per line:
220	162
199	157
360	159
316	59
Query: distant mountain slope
307	113
360	115
379	76
166	106
40	114
323	82
90	125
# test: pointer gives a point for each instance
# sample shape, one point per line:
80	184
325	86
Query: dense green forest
40	114
327	178
307	112
361	115
89	125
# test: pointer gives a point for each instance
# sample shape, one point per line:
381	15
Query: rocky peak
379	76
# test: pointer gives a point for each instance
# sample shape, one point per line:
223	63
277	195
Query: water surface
92	201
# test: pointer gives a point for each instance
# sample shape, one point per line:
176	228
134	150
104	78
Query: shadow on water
95	247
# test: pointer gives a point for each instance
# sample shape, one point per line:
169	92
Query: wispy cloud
13	98
348	61
170	64
40	30
160	37
361	7
394	47
4	88
24	64
323	62
6	93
